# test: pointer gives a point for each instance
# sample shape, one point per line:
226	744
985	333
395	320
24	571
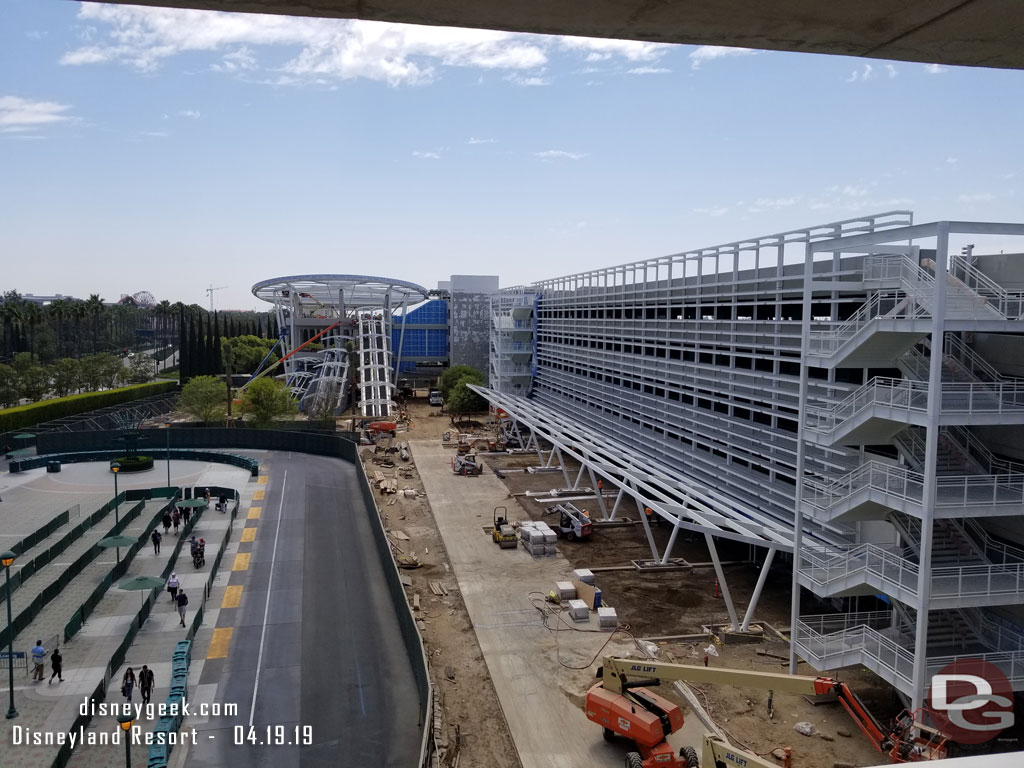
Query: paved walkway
541	698
50	709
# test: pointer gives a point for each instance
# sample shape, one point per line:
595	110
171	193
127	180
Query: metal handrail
908	485
1009	304
957	397
840	562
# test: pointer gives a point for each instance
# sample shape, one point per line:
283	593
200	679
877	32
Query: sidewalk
47	710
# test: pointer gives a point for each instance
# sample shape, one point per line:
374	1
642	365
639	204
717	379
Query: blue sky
150	149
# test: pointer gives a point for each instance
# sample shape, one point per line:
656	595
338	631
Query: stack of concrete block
584	574
565	590
538	538
578	610
606	618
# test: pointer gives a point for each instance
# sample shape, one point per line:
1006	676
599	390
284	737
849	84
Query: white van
434	397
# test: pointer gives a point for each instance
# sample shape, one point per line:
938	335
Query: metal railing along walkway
903	489
1003	398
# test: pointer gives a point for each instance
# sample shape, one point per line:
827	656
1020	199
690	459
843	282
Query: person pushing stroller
198	549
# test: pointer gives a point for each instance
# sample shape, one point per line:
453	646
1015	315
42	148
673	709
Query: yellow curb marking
248	534
241	561
258	495
220	642
254	513
262	479
232	597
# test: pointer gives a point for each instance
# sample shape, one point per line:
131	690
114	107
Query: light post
7	559
115	468
126	725
167	426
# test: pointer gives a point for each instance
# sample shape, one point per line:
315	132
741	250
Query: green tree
140	370
203	397
34	383
267	399
462	400
8	386
453	375
67	376
100	370
243	354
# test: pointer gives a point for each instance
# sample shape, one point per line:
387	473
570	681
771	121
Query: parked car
434	397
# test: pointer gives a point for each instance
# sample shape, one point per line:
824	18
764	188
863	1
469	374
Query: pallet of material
606	618
578	610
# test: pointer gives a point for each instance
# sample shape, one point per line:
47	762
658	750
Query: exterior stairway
898	311
968	568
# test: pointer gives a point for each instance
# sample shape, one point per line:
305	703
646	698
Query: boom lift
623	705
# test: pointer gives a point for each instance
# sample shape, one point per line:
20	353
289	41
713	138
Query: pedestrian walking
167	523
57	662
186	513
38	659
176	520
206	495
146	683
128	684
223	504
182	601
156	537
172	586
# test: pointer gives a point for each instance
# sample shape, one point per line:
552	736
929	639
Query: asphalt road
324	650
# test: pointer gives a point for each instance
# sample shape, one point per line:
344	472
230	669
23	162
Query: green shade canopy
116	541
192	503
24	436
140	583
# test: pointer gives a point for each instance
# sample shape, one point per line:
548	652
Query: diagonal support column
757	589
721	581
618	500
596	485
647	528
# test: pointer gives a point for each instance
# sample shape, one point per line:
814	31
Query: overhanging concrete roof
979	33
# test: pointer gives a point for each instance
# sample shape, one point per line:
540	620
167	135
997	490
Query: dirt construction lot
474	728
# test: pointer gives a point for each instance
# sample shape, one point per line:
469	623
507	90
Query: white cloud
599	49
526	81
717	210
982	197
951	160
648	71
236	61
190	113
776	202
17	114
867	73
427	155
333	49
853	190
711	52
474	140
891	70
558	154
935	69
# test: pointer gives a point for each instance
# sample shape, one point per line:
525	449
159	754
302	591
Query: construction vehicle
466	464
573	522
504	533
622	704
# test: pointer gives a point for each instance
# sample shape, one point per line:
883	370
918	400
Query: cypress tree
183	356
195	348
218	358
211	364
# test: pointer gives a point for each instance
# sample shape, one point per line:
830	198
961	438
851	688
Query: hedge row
36	413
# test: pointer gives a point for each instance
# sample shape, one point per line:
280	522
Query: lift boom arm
618	674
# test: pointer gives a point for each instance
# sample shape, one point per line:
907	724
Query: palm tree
94	308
